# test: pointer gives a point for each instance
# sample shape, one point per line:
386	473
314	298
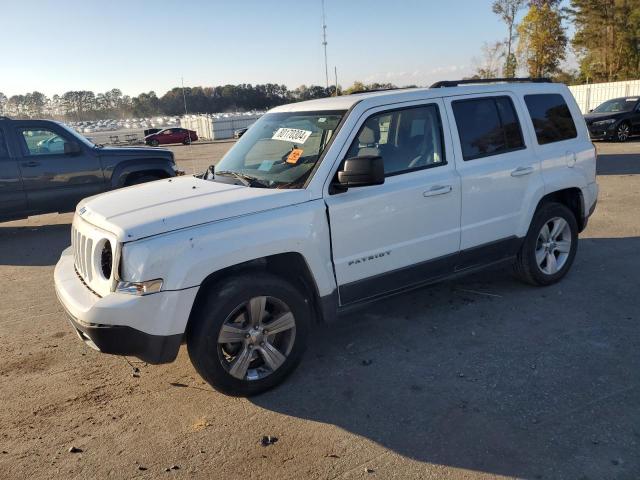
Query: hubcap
623	132
256	338
553	245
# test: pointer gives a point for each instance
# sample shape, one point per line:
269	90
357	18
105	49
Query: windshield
617	105
280	149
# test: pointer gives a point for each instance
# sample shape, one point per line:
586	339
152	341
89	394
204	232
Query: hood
138	152
165	205
596	117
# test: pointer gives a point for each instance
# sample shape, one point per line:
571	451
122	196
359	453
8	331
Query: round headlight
106	259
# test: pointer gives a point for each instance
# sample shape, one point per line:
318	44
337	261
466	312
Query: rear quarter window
551	118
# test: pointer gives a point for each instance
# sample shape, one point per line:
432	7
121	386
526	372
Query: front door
407	231
13	201
55	180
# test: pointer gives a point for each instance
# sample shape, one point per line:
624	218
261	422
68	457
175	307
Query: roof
345	102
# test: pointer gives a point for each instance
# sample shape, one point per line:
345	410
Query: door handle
31	164
437	190
520	171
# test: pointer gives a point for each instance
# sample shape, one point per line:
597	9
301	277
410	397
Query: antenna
335	69
324	44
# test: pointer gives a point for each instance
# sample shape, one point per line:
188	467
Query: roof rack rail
380	90
473	81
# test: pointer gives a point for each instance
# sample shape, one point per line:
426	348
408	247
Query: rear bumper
149	327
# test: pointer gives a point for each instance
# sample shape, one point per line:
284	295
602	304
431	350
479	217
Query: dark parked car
239	132
171	135
616	119
47	167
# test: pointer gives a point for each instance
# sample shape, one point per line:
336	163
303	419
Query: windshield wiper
246	180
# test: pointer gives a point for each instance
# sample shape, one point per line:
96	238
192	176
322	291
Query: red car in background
171	135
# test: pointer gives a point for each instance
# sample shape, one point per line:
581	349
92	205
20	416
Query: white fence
590	96
217	126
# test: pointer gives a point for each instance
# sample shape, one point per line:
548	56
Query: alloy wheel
553	246
623	132
256	338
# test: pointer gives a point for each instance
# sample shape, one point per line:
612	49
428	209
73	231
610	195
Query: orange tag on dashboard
295	155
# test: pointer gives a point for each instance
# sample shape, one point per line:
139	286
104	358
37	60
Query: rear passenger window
551	118
487	126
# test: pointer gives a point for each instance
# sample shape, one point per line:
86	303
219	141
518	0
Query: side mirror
361	171
71	148
591	110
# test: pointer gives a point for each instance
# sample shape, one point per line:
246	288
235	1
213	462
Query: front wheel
550	246
154	143
249	334
186	141
623	132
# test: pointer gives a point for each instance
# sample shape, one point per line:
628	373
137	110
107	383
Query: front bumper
150	327
599	132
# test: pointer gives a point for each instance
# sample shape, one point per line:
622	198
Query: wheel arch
573	199
290	266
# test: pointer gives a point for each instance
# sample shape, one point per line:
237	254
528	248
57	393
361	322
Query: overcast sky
140	45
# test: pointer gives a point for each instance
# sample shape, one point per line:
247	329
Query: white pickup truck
324	205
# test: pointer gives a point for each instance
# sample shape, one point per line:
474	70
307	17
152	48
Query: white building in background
218	126
591	95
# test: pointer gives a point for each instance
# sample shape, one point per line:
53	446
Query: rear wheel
550	246
623	132
187	141
249	334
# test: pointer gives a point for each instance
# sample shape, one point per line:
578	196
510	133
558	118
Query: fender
123	169
185	258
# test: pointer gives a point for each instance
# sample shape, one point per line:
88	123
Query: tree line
82	105
606	41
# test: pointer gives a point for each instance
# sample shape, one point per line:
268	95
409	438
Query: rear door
500	174
54	180
13	201
406	231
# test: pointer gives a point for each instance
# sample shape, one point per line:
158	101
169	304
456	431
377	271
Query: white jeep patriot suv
324	205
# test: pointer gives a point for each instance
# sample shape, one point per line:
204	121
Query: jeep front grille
82	254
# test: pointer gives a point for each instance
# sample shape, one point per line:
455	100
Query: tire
137	180
623	132
154	143
186	141
533	263
229	304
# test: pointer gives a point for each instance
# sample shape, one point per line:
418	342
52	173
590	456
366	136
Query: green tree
542	38
607	38
507	10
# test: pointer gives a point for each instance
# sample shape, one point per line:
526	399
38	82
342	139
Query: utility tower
324	44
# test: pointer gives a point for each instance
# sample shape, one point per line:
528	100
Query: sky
141	45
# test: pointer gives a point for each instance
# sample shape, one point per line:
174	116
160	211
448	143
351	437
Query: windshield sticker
295	155
292	135
266	165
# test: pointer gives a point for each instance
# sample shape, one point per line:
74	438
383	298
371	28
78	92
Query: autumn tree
607	38
542	38
507	10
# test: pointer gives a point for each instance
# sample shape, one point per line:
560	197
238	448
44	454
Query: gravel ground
481	377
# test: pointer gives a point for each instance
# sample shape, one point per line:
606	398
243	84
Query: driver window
407	139
41	141
167	132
